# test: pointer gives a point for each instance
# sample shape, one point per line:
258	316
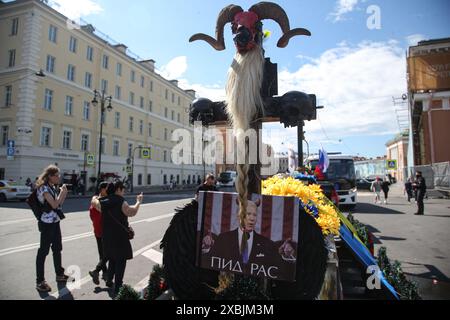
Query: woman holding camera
49	226
117	232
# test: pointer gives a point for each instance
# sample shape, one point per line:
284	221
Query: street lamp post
103	99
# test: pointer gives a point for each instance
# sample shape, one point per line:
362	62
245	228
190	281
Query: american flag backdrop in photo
277	216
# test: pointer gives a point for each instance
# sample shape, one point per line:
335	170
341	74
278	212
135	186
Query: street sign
90	159
10	150
391	164
145	153
129	170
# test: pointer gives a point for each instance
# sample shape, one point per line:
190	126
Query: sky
354	62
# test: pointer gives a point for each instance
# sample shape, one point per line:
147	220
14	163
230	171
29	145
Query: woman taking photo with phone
49	225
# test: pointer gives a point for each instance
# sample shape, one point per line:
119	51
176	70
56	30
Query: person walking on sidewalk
49	225
376	187
116	232
96	217
421	189
385	187
408	189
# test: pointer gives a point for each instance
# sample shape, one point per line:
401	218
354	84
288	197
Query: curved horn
226	15
269	10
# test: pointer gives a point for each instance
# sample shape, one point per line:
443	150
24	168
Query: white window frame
88	141
90	53
50	67
8	96
88	80
117	120
50	135
53	33
116	143
14	27
73	43
64	138
105	62
131	124
119	69
4	137
11	58
68	111
86	106
71	72
141	127
48	99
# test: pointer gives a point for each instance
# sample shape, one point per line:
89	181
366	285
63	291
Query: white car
11	190
227	179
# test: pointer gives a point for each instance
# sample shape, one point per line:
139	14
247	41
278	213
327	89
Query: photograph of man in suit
246	246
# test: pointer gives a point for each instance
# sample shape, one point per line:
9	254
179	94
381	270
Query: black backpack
35	205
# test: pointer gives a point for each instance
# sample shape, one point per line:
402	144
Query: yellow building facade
51	118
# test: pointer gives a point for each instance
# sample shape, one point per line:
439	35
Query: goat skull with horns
247	26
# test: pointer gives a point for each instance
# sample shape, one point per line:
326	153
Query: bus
341	172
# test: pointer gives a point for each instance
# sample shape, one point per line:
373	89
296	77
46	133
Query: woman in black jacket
116	241
385	188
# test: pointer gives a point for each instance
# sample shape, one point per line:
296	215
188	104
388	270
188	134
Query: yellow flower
328	218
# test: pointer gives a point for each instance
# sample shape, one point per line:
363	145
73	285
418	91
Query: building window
149	129
118	93
165	156
67	140
141	127
166	112
73	45
119	69
46	134
88	80
150	106
50	64
84	142
117	120
104	85
140	151
105	62
142	81
179	101
14	26
139	179
149	179
102	145
167	94
11	58
116	148
165	179
5	135
52	33
90	53
178	117
131	124
8	96
130	150
165	133
86	110
131	100
48	101
151	86
173	97
133	76
71	73
69	106
141	102
173	115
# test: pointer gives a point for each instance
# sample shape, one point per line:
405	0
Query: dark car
363	184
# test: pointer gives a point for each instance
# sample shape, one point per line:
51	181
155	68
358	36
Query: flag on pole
324	161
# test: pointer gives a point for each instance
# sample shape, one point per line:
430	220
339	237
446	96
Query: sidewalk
420	243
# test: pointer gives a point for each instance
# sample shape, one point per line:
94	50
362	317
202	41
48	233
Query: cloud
76	9
355	84
413	39
175	68
342	7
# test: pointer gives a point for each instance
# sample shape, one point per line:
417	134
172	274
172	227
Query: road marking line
6	223
153	255
75	286
32	246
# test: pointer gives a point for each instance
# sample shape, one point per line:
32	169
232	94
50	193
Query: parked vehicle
363	184
11	190
227	179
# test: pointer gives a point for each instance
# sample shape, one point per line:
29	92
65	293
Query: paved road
20	239
420	243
